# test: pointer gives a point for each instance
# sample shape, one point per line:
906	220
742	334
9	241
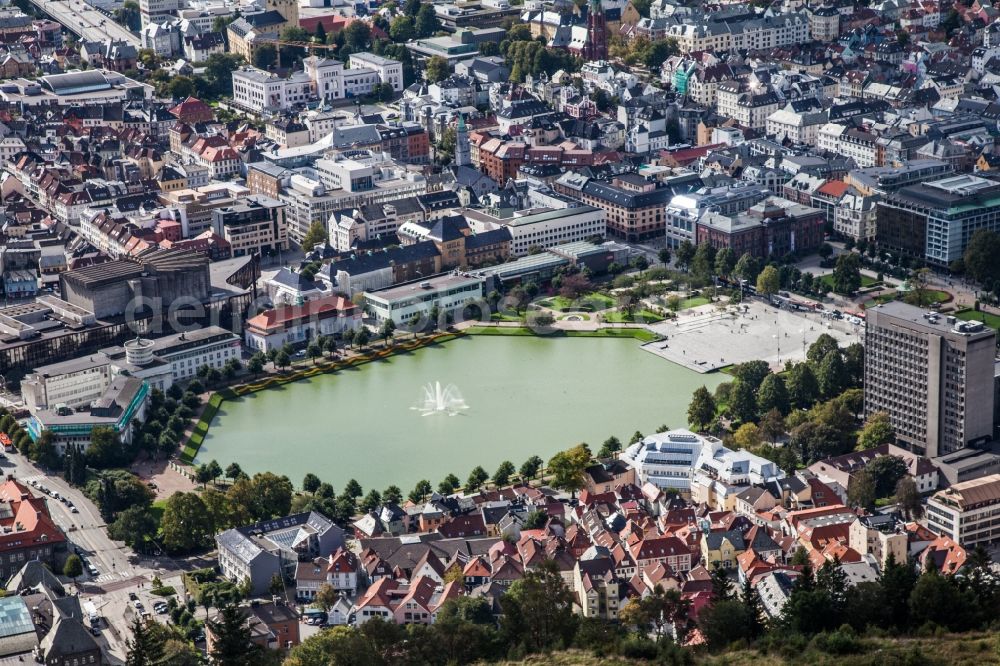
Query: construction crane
278	43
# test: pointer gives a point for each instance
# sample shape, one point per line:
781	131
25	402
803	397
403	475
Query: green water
526	396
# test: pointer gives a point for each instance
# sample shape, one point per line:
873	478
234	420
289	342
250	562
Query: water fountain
438	400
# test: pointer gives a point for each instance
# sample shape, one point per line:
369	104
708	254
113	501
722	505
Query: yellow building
722	548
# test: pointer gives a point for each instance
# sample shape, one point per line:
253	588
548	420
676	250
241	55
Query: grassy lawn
866	281
643	316
500	316
991	320
589	302
694	302
932	295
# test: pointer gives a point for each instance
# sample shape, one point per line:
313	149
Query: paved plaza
707	338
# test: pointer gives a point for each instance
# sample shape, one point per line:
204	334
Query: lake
525	396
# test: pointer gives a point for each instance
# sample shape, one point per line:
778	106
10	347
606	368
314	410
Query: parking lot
707	338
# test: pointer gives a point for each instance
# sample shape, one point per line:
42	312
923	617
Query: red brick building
773	228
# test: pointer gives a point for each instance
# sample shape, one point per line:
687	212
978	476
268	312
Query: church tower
289	9
463	156
596	47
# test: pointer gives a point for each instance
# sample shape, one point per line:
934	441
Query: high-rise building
596	47
933	376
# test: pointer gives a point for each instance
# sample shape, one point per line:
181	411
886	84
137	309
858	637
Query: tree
73	568
747	436
264	56
185	524
310	483
402	29
772	425
387	330
886	472
752	373
427	22
536	520
214	470
134	526
773	394
742	403
502	476
685	254
574	286
701	410
703	262
819	349
725	622
477	477
282	359
353	489
861	490
803	389
449	484
658	609
567	468
530	468
538	610
420	491
316	235
980	256
105	448
232	645
747	268
371	501
832	376
610	447
878	430
664	255
437	69
768	282
144	648
392	495
938	599
908	498
326	596
847	274
361	337
725	261
234	471
357	36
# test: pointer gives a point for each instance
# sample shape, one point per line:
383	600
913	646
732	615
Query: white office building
687	462
542	227
448	293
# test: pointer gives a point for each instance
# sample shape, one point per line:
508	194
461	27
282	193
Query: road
85	21
119	570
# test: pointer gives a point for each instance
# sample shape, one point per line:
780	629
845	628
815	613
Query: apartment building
968	512
635	205
932	374
255	225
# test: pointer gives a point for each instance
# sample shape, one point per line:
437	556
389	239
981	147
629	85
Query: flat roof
930	321
437	283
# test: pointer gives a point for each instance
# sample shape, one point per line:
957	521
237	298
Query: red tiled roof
833	188
285	314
